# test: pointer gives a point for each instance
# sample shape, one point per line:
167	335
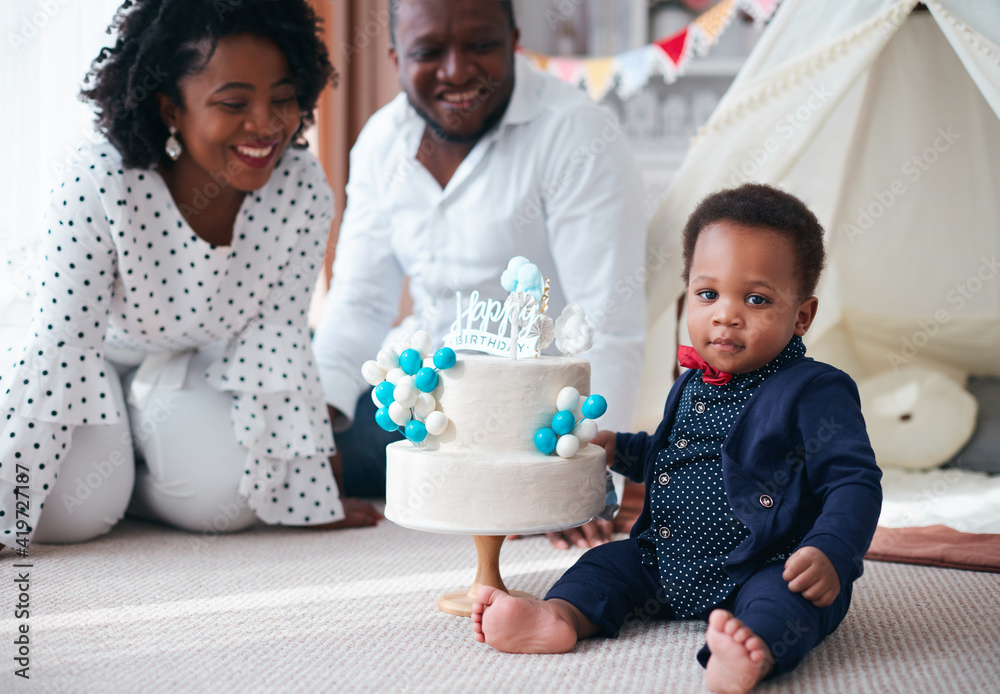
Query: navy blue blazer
797	463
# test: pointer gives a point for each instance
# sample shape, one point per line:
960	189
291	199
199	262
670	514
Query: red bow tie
690	359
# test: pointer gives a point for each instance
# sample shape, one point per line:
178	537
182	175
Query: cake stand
487	561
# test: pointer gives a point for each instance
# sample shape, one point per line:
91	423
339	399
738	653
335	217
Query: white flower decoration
574	334
545	329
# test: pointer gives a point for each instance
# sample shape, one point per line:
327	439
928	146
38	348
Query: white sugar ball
425	405
394	375
429	362
372	372
436	423
387	359
421	341
568	398
585	430
405	394
399	414
566	447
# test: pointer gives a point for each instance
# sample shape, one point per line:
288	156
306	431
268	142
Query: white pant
191	471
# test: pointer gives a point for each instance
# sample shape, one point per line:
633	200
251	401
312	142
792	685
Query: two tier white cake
484	475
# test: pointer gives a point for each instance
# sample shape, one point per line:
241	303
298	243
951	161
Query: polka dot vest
693	528
121	273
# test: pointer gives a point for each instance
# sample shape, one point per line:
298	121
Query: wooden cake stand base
487	574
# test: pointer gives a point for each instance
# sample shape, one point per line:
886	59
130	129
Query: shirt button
664	479
664	532
682	443
699	407
766	501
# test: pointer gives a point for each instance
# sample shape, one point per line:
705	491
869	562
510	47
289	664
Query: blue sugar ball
415	431
445	358
383	391
563	422
594	406
384	420
545	440
410	361
426	379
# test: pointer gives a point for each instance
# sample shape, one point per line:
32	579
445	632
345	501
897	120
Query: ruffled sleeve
57	378
278	411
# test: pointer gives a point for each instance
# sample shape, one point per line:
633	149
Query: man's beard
442	135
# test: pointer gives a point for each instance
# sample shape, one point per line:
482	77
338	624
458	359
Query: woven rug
148	609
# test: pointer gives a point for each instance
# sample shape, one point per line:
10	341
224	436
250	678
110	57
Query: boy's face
743	304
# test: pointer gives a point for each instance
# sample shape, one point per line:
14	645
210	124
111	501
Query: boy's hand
606	440
809	571
596	532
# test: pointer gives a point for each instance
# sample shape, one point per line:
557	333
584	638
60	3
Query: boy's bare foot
740	659
517	625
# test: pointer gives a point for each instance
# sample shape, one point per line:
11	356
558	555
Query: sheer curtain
357	35
46	49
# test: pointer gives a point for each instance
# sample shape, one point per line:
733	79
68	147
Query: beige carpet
149	610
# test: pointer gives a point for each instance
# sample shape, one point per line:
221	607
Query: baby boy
762	492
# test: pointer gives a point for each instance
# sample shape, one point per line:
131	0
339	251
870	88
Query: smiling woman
167	368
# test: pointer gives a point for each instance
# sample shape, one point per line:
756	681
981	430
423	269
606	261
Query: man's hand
810	572
591	534
359	514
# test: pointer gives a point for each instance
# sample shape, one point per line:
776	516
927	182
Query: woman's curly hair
161	41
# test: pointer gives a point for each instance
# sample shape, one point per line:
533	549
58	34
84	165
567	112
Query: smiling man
478	160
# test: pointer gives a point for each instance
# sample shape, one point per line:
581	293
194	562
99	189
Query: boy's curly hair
760	205
161	41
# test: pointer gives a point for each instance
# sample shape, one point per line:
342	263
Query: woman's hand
359	514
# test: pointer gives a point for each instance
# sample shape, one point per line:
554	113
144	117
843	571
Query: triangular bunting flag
715	20
598	73
540	61
674	45
633	70
667	57
566	69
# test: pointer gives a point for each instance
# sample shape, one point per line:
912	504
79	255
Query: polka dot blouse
693	529
121	272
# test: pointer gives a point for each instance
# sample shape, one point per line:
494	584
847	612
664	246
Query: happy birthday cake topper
519	326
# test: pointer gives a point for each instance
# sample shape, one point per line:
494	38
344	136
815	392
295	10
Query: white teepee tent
884	117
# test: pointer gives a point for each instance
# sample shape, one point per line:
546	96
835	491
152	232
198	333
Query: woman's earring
174	148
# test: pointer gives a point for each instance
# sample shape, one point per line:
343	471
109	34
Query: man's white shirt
554	182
